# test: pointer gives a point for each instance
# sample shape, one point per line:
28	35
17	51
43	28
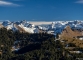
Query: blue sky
41	10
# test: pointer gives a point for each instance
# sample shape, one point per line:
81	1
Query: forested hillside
40	46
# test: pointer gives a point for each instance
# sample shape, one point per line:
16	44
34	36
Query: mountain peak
69	33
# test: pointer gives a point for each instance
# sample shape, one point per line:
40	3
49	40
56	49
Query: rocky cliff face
19	28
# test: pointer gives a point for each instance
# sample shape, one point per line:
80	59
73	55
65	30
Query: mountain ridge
57	26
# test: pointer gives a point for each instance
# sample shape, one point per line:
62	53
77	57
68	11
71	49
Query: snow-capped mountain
57	26
22	26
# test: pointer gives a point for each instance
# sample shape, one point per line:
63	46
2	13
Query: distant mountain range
57	26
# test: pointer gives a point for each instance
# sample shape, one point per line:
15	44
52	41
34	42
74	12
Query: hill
68	35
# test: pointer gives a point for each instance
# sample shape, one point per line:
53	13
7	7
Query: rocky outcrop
1	26
19	28
69	33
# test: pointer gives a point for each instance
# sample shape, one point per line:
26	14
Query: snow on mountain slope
22	26
9	25
19	28
6	23
27	29
56	26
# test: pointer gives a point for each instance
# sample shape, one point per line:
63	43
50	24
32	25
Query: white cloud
5	3
79	1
